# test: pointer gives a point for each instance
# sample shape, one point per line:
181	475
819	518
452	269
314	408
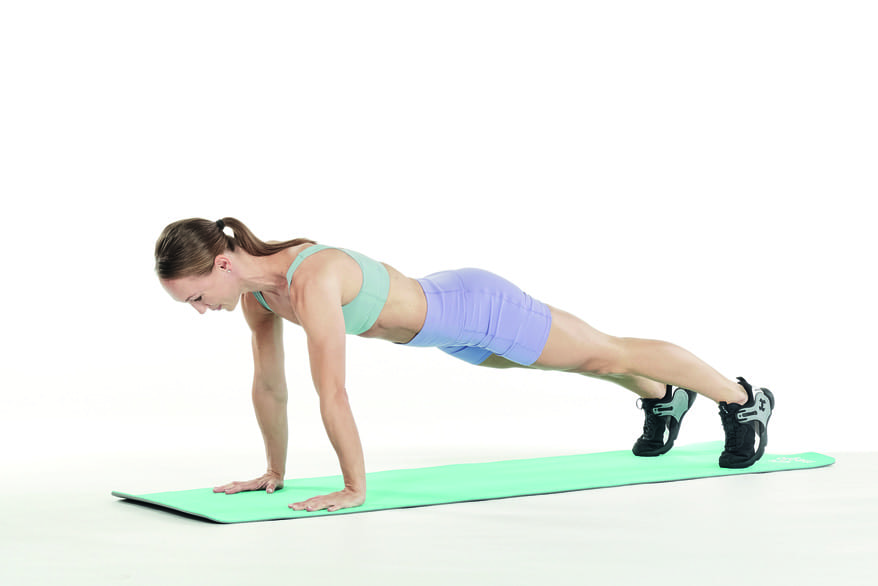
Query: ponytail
189	247
253	245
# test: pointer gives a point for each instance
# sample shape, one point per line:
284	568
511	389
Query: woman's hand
332	502
269	482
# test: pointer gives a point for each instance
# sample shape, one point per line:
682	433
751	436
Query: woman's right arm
269	395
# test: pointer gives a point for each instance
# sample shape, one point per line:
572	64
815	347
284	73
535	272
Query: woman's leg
575	346
643	387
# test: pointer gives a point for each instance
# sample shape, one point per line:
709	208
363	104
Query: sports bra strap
261	300
302	256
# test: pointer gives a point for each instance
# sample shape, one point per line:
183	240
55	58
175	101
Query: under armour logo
762	404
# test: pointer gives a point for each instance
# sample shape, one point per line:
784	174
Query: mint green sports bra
363	311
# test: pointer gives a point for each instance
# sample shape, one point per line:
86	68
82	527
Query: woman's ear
223	263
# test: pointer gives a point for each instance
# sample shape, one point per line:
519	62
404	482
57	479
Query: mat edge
144	500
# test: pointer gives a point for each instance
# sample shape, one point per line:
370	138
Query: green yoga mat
417	487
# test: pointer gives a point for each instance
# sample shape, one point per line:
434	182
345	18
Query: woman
471	314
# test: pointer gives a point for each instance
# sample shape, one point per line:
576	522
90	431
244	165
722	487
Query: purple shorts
472	314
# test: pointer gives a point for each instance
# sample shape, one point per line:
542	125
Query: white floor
803	527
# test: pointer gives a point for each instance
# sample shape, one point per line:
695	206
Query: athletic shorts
472	313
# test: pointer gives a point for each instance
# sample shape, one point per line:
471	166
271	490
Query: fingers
233	487
310	505
317	503
269	485
331	502
274	484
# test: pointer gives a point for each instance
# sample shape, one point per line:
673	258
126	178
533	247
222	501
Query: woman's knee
605	359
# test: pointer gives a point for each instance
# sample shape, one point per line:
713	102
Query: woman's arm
317	303
269	396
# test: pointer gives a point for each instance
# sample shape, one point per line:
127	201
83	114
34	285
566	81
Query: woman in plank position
472	314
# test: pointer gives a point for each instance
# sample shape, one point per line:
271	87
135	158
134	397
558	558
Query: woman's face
216	290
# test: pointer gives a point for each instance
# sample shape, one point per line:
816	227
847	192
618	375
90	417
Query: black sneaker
742	423
663	416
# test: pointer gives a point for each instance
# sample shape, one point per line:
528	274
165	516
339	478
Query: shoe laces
654	424
734	430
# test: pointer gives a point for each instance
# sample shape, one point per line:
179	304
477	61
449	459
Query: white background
692	171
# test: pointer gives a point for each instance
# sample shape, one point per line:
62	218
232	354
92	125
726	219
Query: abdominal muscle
404	312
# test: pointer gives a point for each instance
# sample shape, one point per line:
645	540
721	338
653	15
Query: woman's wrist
356	486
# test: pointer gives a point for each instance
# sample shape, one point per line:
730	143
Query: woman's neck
263	273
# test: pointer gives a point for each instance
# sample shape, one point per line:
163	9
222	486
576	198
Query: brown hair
189	247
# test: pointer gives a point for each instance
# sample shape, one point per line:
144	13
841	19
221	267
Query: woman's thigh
573	345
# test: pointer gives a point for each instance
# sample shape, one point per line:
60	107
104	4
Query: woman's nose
199	307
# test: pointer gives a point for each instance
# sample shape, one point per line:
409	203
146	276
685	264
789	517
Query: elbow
276	392
333	396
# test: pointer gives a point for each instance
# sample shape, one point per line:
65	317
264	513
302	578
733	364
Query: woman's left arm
317	303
